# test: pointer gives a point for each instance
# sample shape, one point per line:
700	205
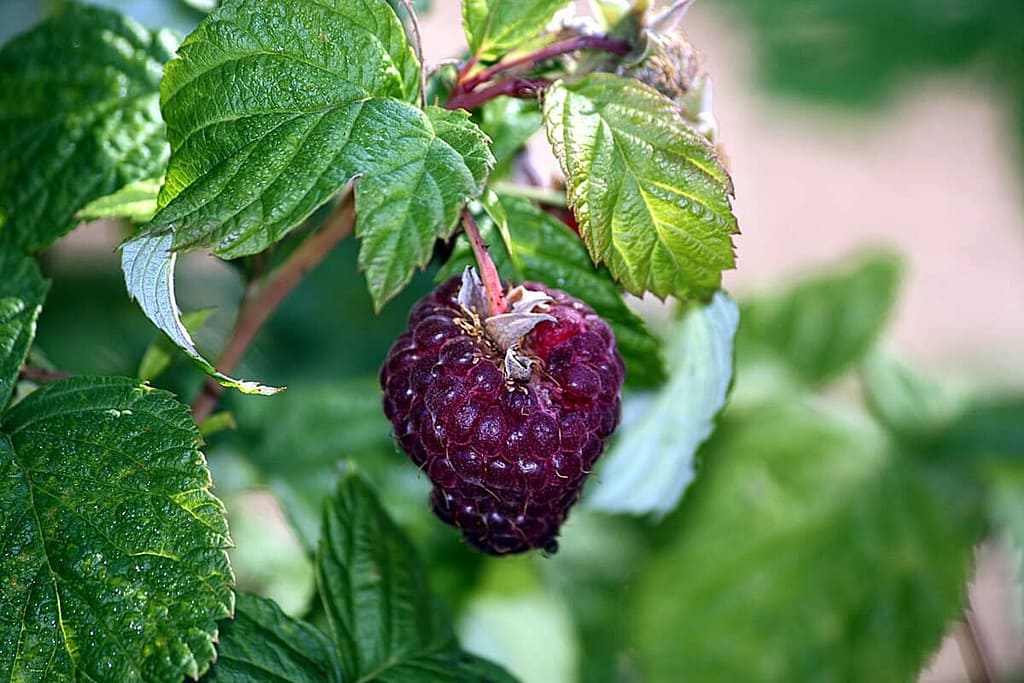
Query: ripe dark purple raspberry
505	415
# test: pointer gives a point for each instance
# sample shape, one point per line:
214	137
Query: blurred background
847	125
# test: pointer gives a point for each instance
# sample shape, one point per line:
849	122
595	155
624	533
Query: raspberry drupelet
506	414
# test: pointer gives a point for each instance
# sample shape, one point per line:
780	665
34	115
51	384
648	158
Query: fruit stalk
496	303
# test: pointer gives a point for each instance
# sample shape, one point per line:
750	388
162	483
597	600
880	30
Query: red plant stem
42	375
513	87
260	301
496	303
613	45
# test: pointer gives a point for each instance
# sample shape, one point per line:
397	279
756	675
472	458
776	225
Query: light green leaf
249	165
114	565
299	440
494	27
135	201
650	194
385	622
513	620
79	118
547	251
148	265
652	460
807	551
824	324
263	644
22	291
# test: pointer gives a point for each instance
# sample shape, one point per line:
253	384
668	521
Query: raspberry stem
496	303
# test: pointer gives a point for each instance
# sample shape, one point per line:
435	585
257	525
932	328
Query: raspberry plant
824	539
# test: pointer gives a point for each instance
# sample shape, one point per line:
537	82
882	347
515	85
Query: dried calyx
504	331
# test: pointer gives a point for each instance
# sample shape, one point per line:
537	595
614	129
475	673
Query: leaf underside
650	194
113	549
653	458
79	118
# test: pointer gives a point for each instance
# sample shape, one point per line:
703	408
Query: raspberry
506	414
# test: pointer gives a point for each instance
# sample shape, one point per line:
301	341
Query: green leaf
808	551
401	214
652	460
247	166
494	27
510	123
822	325
135	201
22	291
148	265
910	406
79	118
298	440
547	251
113	562
385	622
263	644
650	193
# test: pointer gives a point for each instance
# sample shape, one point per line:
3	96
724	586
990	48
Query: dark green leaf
509	123
113	559
807	551
79	118
822	325
547	251
22	290
297	442
494	27
650	194
653	457
385	622
263	644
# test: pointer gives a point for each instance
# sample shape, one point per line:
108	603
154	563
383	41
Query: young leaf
114	559
148	265
247	166
548	251
22	290
79	118
807	551
652	460
494	27
261	643
650	194
821	326
385	622
135	201
161	351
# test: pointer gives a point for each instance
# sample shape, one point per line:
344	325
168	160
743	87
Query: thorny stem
262	299
513	87
42	375
613	45
496	303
